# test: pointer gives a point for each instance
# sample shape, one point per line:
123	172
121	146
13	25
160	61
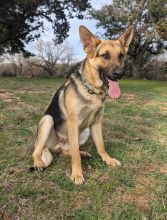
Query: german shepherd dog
76	110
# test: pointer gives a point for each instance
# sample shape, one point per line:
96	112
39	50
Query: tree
50	57
158	12
16	63
21	21
115	18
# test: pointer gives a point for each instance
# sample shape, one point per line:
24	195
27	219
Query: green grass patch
134	133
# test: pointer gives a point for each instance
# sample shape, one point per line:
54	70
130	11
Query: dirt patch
130	96
4	214
152	167
36	91
151	103
140	199
145	182
163	170
23	91
8	96
21	105
136	155
162	140
140	195
14	170
163	110
157	167
117	135
80	201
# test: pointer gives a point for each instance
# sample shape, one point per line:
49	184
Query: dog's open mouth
111	83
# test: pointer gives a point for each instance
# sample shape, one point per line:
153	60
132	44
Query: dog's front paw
39	165
78	179
111	161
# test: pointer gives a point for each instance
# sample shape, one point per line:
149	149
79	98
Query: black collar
90	89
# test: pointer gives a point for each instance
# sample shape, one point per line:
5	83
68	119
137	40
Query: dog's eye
121	56
106	56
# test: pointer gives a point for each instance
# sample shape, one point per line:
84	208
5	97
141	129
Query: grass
134	132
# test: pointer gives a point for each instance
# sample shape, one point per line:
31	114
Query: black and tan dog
77	107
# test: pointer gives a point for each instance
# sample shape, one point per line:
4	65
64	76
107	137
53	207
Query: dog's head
106	55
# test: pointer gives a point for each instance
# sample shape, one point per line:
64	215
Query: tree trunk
49	69
135	72
136	69
50	72
20	68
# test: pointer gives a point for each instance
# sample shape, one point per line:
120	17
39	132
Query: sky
90	24
73	38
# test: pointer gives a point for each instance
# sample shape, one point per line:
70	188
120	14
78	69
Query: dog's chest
89	114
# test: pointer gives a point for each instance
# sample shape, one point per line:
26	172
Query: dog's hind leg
42	156
46	157
64	150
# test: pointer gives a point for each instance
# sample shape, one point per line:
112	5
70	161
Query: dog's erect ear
126	38
90	42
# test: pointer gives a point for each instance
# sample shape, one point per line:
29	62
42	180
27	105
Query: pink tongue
114	90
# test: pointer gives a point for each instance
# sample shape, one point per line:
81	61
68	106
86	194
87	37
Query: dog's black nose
118	73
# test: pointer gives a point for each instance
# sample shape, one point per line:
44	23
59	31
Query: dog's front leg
96	133
73	134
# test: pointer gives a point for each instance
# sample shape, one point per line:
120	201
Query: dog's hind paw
33	169
39	165
85	155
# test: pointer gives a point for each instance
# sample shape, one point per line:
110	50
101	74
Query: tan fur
80	115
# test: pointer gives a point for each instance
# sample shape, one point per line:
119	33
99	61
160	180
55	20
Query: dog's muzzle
117	74
105	76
